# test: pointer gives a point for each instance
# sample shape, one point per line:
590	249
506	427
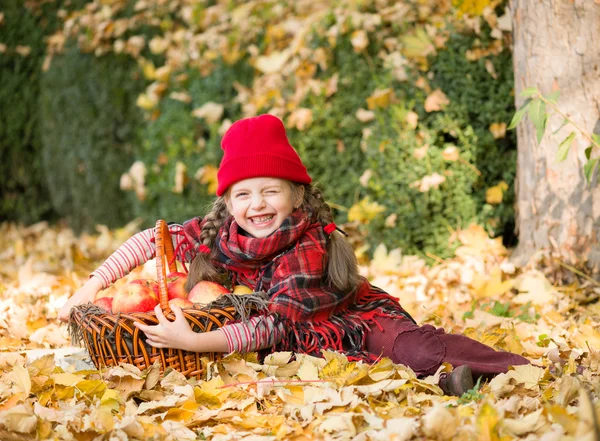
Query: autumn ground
478	292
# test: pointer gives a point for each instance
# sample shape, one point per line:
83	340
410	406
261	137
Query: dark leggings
425	348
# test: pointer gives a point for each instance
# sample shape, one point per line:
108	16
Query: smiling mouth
261	220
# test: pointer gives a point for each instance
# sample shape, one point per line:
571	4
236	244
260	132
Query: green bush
331	146
426	219
24	194
176	135
89	123
480	100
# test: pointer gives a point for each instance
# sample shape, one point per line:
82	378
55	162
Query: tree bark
557	46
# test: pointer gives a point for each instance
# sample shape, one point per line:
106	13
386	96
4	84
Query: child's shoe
457	382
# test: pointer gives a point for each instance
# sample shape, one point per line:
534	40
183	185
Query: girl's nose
258	202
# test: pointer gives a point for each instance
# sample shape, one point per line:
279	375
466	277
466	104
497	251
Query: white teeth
260	220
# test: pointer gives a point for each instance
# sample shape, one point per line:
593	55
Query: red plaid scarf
290	266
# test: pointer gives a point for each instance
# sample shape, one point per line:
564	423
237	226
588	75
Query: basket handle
164	250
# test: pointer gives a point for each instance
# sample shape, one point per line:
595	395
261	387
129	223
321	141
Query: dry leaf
211	112
365	115
359	40
436	101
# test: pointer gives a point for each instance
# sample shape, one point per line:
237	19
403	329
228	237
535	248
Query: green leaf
553	97
563	148
564	123
530	91
589	167
588	152
596	138
518	116
538	116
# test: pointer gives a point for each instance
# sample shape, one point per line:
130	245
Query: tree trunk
557	46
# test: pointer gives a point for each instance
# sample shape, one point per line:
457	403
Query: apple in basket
148	282
176	285
205	292
104	303
136	296
104	299
182	303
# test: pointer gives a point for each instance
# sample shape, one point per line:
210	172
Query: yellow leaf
364	211
495	194
66	379
384	262
471	7
278	358
383	369
498	130
359	40
211	112
436	100
535	288
439	423
183	412
487	422
308	371
111	399
42	366
19	419
208	175
104	421
300	119
146	102
561	416
21	379
491	286
532	422
272	63
526	375
365	115
148	69
418	46
92	388
380	98
450	153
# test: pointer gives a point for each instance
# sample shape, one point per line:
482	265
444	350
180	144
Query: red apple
135	297
150	283
182	303
104	303
205	292
106	293
176	285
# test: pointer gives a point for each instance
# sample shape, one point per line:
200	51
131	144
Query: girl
271	230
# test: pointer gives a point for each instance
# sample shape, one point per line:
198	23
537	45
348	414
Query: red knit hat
257	147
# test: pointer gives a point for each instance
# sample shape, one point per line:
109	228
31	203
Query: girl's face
260	205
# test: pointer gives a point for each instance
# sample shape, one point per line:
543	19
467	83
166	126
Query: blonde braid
202	267
342	267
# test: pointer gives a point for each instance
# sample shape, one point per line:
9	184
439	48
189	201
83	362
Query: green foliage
331	147
176	135
24	196
426	215
89	132
477	100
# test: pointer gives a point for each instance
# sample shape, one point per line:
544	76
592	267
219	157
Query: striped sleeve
257	333
136	251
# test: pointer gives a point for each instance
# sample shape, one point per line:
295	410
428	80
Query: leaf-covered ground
478	292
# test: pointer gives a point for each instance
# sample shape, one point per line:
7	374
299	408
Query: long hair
342	268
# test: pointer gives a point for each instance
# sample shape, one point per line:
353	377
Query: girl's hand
85	294
177	334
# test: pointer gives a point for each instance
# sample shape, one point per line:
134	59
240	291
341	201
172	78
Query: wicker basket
112	338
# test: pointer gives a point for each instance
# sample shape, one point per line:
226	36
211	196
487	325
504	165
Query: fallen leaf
436	101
